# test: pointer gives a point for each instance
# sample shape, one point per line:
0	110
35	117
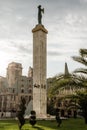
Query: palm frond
63	76
79	78
81	70
80	60
83	52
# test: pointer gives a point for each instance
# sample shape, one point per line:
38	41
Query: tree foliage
81	59
77	79
21	112
32	119
81	97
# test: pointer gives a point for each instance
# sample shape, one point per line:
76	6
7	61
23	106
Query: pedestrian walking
58	119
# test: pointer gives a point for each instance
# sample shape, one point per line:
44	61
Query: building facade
13	87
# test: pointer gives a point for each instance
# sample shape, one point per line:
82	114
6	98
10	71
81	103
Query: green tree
81	97
77	79
21	112
81	59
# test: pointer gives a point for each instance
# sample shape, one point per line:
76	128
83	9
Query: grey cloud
58	9
24	50
16	47
18	17
53	53
22	47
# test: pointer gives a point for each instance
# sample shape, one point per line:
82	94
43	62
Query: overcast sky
65	20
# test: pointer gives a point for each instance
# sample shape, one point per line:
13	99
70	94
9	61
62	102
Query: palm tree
82	101
74	80
66	81
81	59
58	84
82	96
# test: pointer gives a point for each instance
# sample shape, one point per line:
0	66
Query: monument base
45	117
41	116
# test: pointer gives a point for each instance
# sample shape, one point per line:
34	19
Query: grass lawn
69	124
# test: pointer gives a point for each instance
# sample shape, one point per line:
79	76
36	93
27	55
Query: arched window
22	90
13	90
30	91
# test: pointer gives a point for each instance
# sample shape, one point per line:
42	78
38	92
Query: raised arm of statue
40	11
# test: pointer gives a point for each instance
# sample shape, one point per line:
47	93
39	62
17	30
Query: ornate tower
66	70
39	70
14	70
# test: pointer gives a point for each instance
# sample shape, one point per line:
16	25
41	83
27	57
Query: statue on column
40	11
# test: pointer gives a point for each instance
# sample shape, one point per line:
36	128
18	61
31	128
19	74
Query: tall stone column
39	70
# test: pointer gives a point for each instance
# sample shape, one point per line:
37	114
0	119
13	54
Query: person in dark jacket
59	121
